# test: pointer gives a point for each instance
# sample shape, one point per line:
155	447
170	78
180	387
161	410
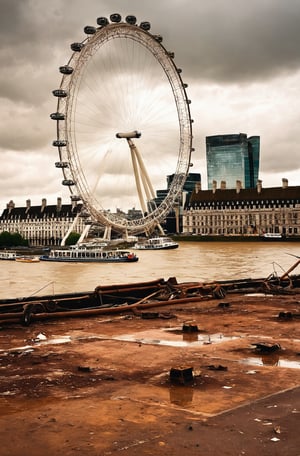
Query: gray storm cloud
241	60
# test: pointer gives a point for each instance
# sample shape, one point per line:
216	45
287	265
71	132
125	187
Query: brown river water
192	261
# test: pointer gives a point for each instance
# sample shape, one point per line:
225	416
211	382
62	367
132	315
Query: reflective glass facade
232	157
191	180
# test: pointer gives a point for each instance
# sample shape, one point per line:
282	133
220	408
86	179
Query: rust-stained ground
101	386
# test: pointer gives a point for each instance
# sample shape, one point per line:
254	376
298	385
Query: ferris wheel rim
72	172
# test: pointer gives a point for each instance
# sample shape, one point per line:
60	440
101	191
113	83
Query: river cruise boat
7	255
89	254
157	243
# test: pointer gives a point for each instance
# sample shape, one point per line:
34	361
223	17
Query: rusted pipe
290	270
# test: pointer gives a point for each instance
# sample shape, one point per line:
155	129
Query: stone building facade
219	211
42	225
240	211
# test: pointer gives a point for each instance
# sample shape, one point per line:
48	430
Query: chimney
223	185
58	204
10	206
28	205
44	204
214	186
238	186
285	183
259	186
197	187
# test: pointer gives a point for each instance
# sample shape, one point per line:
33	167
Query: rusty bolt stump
181	375
189	327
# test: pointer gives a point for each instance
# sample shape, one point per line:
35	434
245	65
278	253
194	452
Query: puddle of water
56	340
190	337
181	395
271	360
166	338
37	343
10	407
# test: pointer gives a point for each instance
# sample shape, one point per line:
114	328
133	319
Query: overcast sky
240	58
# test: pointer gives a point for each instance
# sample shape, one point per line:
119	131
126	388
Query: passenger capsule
89	30
68	182
179	70
60	93
102	21
158	38
185	86
57	116
145	26
59	143
61	165
115	17
77	47
65	69
131	20
171	55
75	198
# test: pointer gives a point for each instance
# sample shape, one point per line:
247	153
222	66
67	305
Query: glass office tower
191	180
232	157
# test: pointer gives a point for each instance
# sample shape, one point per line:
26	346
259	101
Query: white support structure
142	180
143	184
107	233
71	228
84	233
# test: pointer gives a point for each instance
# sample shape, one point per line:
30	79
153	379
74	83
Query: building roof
246	194
39	212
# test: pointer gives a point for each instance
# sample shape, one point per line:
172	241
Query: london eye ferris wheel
123	124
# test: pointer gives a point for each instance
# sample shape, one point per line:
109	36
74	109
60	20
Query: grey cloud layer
218	42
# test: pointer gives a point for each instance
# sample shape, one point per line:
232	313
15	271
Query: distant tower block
231	158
